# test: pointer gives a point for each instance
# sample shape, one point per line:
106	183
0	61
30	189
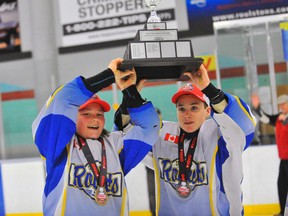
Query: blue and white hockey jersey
216	172
70	184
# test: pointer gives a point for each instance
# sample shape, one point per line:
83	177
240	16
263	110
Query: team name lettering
169	171
89	8
81	176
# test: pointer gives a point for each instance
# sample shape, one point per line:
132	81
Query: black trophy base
162	69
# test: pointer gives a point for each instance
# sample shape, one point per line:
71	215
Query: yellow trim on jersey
120	150
212	182
157	179
42	157
261	209
123	202
53	95
24	214
140	213
244	110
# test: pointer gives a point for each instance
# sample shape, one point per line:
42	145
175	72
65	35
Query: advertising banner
9	27
284	32
202	13
85	21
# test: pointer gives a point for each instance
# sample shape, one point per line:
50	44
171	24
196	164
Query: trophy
153	14
157	53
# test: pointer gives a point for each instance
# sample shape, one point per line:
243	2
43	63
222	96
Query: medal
183	190
101	196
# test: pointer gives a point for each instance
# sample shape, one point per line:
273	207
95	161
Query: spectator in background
257	135
280	121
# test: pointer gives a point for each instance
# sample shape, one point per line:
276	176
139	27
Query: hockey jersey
70	185
216	173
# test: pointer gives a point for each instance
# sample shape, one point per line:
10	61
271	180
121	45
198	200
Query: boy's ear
208	111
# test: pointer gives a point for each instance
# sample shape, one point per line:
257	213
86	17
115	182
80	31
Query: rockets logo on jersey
82	177
169	172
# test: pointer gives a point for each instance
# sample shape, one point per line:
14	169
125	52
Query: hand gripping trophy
152	4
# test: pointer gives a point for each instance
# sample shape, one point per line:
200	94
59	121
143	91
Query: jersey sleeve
55	125
236	130
141	135
237	120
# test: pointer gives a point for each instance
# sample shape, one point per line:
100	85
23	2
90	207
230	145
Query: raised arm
216	97
142	135
56	122
228	109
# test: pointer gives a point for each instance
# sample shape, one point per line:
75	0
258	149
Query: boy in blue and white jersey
198	160
85	164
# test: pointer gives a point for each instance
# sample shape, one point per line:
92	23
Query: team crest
82	177
197	176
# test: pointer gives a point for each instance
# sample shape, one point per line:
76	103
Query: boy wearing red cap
85	164
197	160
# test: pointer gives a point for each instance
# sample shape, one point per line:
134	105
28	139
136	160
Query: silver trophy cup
152	4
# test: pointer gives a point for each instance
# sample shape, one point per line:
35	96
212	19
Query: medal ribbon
99	175
185	164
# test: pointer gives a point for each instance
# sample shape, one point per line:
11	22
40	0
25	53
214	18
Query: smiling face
90	121
191	112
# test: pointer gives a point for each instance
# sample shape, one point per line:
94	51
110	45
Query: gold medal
183	190
101	196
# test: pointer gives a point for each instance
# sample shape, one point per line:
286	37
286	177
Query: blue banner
202	13
284	31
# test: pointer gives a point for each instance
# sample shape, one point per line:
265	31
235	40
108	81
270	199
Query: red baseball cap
188	89
96	99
